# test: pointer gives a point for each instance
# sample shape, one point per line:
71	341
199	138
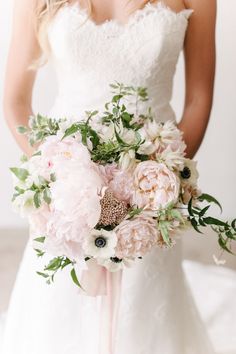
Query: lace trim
139	14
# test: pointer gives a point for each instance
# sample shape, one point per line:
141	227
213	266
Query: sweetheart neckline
159	5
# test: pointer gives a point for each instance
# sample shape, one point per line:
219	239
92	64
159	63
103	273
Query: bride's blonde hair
46	10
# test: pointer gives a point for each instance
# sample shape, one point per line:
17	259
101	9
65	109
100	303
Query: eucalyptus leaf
74	278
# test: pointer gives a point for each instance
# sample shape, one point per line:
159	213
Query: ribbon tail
98	281
109	312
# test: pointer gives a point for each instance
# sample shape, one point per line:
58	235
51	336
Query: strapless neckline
133	18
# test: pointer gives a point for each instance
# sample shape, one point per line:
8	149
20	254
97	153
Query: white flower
115	264
128	136
127	160
100	244
189	173
24	203
106	132
147	148
172	159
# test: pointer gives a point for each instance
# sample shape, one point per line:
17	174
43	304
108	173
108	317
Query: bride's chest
153	35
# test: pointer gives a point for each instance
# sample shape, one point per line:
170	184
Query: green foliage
20	173
199	218
57	264
39	128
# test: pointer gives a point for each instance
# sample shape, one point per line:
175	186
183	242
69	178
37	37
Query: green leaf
22	129
42	180
119	140
24	158
230	235
40	239
233	224
204	210
47	195
194	224
53	177
142	157
176	214
74	128
40	253
210	199
213	221
201	222
164	232
37	153
65	263
116	98
134	212
223	245
74	278
19	190
44	275
114	86
190	207
37	199
54	264
20	173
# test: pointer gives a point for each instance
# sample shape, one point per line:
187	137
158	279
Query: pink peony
155	186
122	185
119	181
55	153
136	237
75	207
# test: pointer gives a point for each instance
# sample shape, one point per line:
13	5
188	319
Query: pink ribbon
96	281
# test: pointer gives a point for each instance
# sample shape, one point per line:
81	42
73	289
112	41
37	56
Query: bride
91	44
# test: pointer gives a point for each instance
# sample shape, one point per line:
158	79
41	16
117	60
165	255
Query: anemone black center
186	173
100	242
116	259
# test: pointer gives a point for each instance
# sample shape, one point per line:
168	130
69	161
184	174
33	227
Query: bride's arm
19	80
200	69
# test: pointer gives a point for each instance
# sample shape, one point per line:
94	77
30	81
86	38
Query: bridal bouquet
111	186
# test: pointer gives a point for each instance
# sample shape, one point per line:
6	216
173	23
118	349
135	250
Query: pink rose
155	185
136	237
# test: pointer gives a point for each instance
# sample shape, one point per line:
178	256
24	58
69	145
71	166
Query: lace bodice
88	57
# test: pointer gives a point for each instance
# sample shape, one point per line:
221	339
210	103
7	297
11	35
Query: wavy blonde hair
46	9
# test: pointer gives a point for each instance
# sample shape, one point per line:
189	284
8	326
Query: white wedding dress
157	314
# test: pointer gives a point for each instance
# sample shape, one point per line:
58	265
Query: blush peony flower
107	172
164	141
100	244
136	237
75	206
155	186
119	181
122	185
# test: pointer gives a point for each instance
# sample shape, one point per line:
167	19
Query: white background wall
217	163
